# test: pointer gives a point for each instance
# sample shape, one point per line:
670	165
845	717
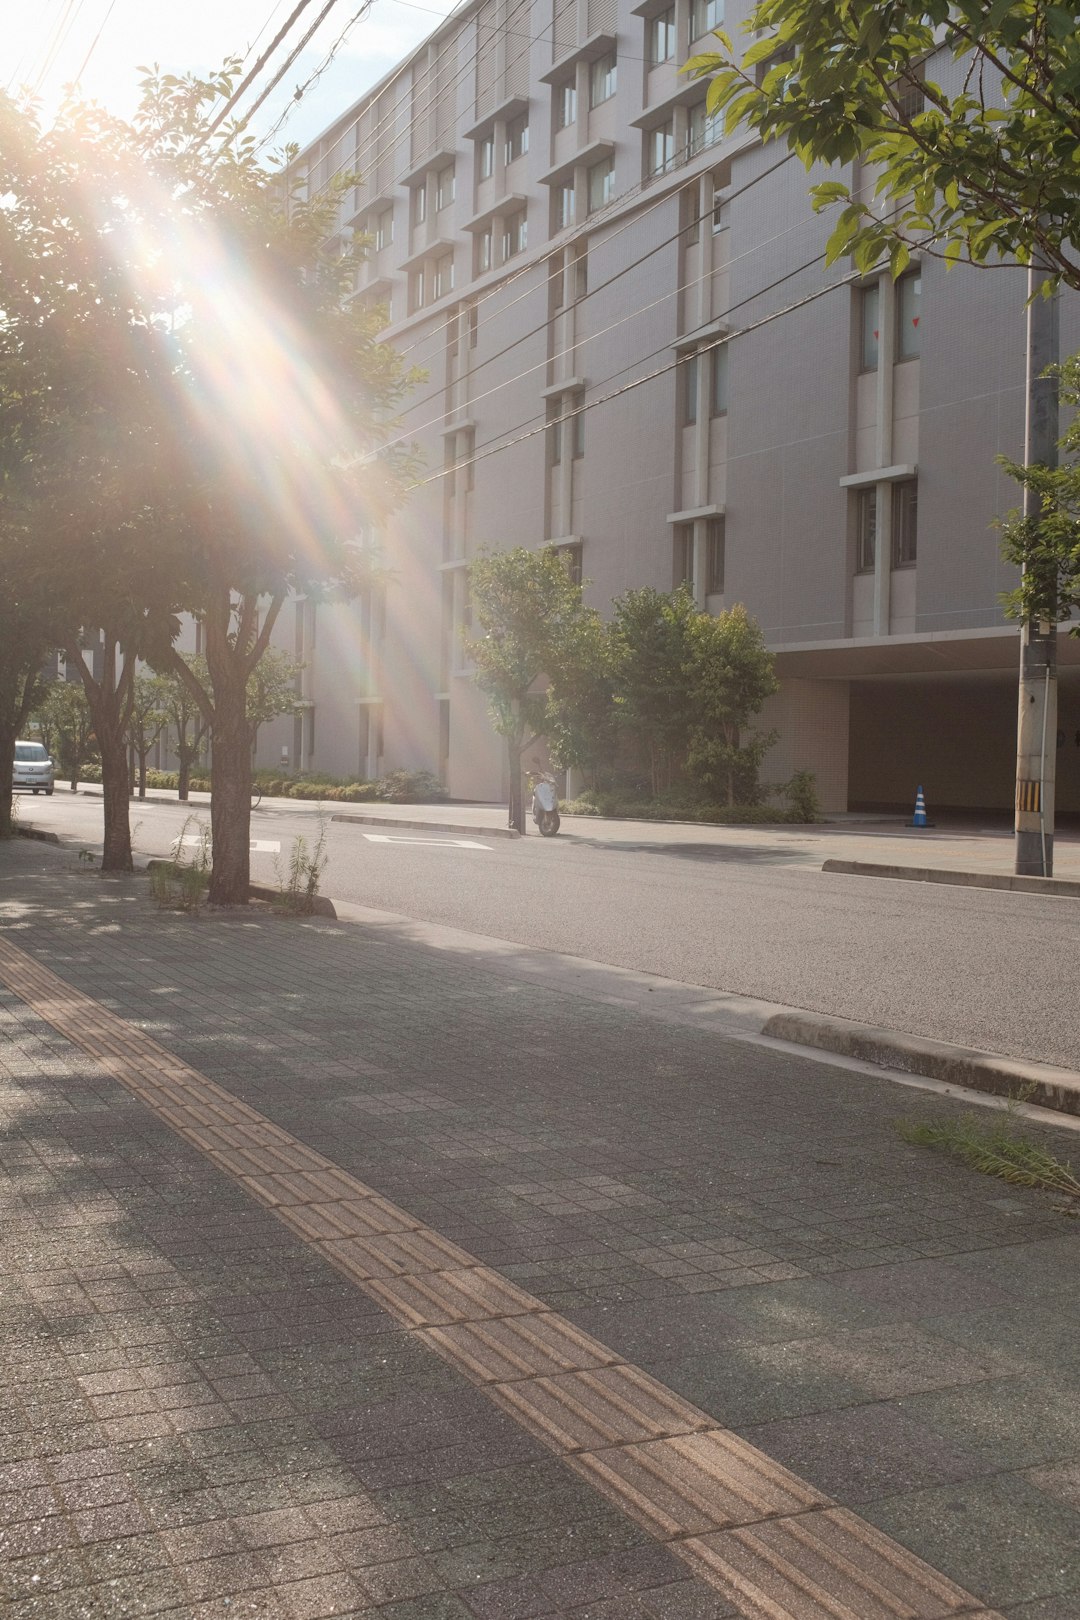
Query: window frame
660	37
908	347
688	392
715	555
719	380
566	104
517	138
905	523
603	77
710	12
485	157
515	234
606	169
682	555
869	294
866	527
442	200
666	131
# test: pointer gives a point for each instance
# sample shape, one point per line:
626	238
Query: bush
89	772
801	794
411	787
678	807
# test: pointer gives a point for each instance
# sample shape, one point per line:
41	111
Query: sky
46	43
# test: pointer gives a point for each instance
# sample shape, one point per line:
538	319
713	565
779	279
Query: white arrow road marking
442	843
258	846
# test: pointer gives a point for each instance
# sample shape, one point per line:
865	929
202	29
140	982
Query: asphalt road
753	917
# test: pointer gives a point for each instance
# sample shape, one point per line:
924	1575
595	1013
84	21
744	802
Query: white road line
258	846
442	843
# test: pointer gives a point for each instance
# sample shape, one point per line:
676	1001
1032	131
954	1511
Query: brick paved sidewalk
198	1408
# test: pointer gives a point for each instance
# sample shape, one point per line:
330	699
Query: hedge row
398	787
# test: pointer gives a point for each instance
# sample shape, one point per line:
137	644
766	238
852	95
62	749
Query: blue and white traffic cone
919	818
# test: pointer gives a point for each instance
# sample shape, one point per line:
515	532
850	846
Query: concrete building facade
632	348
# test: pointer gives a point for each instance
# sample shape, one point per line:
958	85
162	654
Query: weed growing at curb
298	880
180	885
996	1146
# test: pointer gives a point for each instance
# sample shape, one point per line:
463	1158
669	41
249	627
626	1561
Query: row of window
660	38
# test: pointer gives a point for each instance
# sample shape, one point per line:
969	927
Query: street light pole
1036	732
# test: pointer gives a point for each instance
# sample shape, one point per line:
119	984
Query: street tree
27	630
147	719
651	641
730	674
185	725
1048	547
967	115
66	726
232	448
582	720
532	621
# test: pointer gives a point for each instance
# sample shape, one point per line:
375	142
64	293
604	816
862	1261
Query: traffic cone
919	818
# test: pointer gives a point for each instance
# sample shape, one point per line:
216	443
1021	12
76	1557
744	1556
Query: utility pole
1036	732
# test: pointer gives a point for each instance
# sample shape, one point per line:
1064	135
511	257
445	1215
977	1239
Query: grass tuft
995	1146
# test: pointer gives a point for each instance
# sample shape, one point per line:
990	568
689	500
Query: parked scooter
545	806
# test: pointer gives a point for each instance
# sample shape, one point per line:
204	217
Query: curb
38	834
1064	887
1042	1083
429	826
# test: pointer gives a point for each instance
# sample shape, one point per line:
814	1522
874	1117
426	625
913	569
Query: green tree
652	655
1049	549
185	723
146	721
533	622
273	689
27	629
967	113
582	723
730	674
216	409
67	727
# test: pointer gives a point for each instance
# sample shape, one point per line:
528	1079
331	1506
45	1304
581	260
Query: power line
301	91
94	42
286	65
257	67
600	287
605	399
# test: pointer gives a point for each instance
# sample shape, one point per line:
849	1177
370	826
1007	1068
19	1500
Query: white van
33	768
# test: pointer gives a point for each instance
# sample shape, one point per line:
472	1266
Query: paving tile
441	1297
697	1482
607	1407
825	1565
499	1351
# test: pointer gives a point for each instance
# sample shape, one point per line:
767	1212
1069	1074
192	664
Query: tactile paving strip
771	1545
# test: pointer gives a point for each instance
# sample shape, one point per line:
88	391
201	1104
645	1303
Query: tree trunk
116	855
8	737
230	801
183	775
142	773
517	797
110	709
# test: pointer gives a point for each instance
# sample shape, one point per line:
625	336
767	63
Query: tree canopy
964	116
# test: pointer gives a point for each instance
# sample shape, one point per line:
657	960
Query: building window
910	97
416	293
564	206
601	184
691	216
602	80
908	313
515	234
581	270
474	325
704	128
781	58
705	17
445	187
517	138
714	557
661	148
719	209
718	392
442	276
689	374
869	318
565	106
682	558
419	204
905	523
571	557
660	37
576	403
866	531
384	229
487	157
483	252
555	435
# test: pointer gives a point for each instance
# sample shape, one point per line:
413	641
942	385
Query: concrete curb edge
1061	887
1041	1083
